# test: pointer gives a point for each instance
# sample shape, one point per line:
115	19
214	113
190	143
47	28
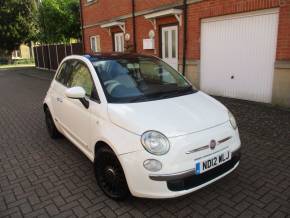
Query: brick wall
100	10
150	4
283	47
103	10
214	8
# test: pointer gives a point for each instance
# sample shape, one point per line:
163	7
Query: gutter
134	25
82	27
184	36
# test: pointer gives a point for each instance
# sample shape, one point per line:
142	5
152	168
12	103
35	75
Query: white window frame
97	46
119	42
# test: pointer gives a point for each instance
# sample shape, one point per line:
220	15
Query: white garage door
238	55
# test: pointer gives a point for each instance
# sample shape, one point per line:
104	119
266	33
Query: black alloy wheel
110	175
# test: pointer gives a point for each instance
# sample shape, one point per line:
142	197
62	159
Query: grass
5	66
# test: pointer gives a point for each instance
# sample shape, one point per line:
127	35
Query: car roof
114	55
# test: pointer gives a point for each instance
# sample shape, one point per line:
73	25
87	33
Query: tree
16	26
58	21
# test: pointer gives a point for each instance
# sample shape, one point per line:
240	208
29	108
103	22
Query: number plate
207	163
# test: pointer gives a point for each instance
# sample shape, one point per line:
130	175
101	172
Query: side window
64	73
81	76
61	73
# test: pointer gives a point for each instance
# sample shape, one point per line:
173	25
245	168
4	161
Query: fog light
152	165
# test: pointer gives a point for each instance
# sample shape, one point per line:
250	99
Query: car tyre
50	125
110	175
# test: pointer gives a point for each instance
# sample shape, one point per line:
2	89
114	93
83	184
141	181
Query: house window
95	43
90	2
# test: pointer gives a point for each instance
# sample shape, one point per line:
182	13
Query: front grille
197	180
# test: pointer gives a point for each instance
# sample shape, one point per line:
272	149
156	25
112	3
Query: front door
170	46
58	88
119	42
76	119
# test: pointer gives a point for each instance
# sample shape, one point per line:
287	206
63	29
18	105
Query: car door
58	88
75	117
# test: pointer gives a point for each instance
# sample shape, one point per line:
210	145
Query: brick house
233	48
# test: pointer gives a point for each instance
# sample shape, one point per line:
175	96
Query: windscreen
139	79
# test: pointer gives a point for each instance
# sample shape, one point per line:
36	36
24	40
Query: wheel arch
45	107
101	144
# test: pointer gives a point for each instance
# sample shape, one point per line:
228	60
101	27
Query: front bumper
175	185
177	176
193	181
191	173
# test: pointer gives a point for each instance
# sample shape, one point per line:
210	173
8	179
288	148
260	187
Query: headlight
155	143
232	120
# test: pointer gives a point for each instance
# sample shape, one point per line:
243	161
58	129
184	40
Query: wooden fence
50	56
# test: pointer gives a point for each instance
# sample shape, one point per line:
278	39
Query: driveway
40	177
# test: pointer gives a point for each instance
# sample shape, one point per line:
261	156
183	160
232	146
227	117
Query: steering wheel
111	85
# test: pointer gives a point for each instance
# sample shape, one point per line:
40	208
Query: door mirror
76	92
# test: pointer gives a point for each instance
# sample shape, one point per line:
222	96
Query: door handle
59	100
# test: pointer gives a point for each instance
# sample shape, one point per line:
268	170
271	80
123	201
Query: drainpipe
82	29
184	36
134	26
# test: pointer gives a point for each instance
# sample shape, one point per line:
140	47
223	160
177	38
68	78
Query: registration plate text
204	164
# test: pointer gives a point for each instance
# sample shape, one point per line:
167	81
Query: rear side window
64	73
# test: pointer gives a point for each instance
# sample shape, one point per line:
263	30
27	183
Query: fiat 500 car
147	131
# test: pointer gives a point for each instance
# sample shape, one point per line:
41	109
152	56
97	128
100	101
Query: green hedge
4	61
23	61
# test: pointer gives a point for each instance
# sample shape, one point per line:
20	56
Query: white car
145	128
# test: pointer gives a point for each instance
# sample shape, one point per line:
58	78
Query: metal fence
49	56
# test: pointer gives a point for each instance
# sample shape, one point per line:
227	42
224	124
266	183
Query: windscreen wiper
139	98
187	90
160	95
